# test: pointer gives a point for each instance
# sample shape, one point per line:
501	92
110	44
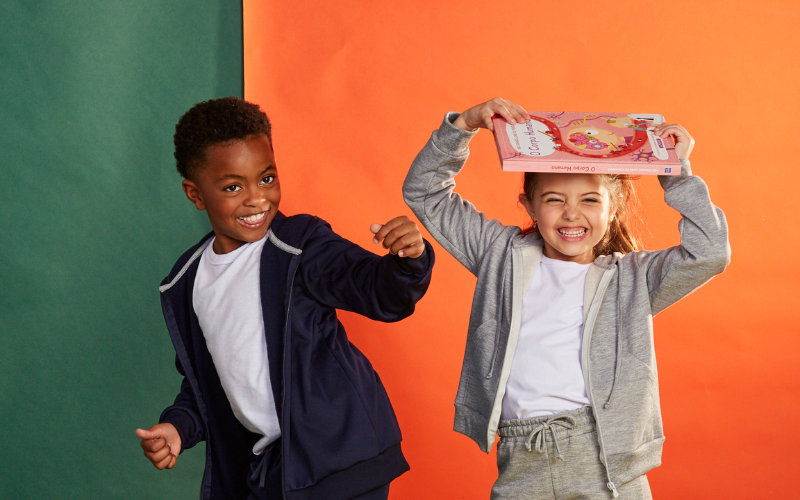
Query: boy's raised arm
401	236
341	274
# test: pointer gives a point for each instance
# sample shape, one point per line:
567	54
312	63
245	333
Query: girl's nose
571	213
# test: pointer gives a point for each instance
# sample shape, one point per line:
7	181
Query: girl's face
573	212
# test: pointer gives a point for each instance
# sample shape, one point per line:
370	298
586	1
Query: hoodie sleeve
184	415
455	223
340	274
704	250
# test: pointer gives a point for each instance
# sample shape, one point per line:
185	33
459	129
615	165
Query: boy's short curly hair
213	122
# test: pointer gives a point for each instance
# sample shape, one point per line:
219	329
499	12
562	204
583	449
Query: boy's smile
238	188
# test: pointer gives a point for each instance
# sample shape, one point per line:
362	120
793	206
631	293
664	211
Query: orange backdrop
354	89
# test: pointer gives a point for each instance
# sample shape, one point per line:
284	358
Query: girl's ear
193	194
528	206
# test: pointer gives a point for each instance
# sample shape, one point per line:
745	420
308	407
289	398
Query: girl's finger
486	116
508	112
516	110
512	113
524	114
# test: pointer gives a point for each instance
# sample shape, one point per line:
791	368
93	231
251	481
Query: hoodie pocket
489	348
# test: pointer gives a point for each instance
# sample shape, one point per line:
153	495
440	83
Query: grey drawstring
565	421
618	366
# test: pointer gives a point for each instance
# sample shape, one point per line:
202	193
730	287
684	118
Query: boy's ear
193	193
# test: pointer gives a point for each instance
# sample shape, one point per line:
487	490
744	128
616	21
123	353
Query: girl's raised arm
704	250
462	230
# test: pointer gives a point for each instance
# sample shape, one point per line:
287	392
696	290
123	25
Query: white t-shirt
227	301
546	375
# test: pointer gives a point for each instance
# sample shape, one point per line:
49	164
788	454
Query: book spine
606	167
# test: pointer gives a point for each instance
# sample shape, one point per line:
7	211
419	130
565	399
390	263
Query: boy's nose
254	199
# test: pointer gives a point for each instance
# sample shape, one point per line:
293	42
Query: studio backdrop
93	216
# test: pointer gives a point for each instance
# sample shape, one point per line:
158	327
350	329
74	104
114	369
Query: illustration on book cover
585	142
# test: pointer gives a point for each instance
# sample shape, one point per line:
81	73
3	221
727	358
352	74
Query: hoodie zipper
587	336
286	368
517	292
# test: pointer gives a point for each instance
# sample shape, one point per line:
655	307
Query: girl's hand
480	116
683	141
401	236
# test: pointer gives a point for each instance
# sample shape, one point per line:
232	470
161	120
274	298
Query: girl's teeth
579	232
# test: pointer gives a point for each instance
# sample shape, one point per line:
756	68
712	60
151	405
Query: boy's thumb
146	434
375	228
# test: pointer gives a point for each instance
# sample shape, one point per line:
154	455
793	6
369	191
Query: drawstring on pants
564	421
260	470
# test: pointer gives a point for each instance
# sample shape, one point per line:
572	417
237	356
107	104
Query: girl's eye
231	189
268	179
554	200
591	200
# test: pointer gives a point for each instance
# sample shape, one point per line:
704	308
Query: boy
287	406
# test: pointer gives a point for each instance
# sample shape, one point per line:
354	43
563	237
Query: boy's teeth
253	218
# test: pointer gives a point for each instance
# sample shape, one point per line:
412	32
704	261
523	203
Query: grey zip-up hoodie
623	293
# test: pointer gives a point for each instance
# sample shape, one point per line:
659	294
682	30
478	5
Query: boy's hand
480	116
401	236
161	444
683	141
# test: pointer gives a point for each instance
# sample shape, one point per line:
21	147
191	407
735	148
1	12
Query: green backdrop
93	218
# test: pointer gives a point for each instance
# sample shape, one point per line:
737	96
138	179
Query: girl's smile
572	234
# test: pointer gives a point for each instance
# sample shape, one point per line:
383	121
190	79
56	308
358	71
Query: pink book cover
600	143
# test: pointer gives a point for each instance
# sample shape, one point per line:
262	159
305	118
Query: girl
559	357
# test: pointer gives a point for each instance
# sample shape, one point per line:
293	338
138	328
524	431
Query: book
600	143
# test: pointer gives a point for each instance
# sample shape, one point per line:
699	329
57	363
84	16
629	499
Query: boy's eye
268	179
231	189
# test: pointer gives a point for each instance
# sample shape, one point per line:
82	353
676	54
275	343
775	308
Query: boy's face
239	190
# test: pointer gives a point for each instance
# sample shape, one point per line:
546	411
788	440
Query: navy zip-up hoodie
339	434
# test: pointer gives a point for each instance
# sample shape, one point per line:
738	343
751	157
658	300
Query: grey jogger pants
529	467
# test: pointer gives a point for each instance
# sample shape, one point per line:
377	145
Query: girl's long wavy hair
619	237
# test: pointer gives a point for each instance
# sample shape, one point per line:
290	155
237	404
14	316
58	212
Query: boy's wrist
416	265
